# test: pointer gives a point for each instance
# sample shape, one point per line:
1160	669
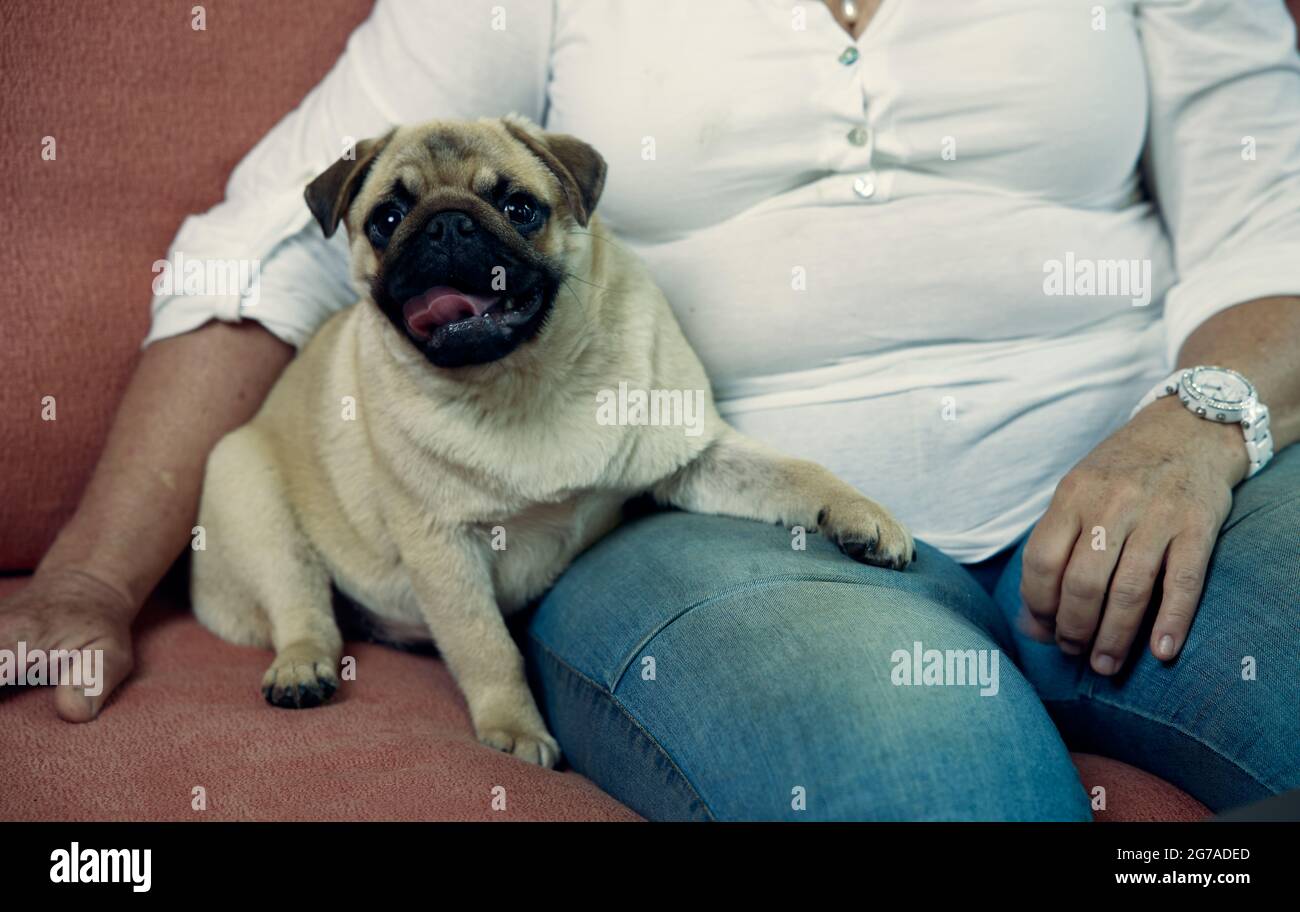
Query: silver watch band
1259	440
1254	420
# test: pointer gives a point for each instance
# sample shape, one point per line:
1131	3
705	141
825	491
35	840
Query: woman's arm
1223	162
1159	488
135	516
187	392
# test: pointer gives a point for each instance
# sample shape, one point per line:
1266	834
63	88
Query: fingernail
1069	647
1166	647
1104	664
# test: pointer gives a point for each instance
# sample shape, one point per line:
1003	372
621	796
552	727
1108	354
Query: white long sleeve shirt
943	260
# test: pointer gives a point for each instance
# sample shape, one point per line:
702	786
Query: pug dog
435	454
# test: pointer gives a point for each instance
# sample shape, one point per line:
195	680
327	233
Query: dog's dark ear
579	168
330	194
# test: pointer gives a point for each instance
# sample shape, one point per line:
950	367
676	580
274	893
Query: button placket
864	185
861	135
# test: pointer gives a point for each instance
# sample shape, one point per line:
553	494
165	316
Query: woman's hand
136	515
1149	498
71	609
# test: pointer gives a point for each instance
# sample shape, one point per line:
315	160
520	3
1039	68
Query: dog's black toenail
300	696
861	551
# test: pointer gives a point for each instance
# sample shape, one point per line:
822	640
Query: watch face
1222	386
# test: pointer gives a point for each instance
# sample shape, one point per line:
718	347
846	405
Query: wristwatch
1223	395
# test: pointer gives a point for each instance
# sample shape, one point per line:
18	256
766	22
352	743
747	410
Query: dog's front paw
296	682
866	532
532	743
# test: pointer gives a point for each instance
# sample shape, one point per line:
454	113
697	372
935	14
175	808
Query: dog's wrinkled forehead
475	158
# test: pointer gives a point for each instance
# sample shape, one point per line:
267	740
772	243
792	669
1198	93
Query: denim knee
698	667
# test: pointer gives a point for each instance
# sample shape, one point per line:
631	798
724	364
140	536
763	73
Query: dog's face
458	229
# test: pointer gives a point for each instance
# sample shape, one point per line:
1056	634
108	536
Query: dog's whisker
592	234
573	275
566	287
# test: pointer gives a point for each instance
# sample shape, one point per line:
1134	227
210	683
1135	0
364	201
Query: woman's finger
110	661
1129	598
1043	563
1084	584
1189	556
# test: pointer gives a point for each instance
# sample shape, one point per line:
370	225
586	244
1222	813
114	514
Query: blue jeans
697	667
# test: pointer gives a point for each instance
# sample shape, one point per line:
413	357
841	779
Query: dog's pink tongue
441	305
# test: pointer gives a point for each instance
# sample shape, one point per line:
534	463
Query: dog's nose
449	224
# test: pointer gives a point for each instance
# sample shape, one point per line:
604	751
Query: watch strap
1259	439
1254	422
1166	387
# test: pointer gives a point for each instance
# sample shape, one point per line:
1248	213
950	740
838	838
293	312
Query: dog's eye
520	209
383	222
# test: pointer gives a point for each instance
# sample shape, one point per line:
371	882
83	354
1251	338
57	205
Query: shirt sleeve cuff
1263	272
177	315
291	290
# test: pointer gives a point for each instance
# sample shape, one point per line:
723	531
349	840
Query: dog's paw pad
533	747
299	684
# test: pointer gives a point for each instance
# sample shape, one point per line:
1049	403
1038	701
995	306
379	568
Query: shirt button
865	186
850	56
858	136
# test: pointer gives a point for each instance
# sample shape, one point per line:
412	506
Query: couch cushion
149	119
1133	795
395	744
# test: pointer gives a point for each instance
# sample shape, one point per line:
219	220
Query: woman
943	249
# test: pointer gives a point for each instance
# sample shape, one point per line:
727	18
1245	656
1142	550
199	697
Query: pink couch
149	118
395	744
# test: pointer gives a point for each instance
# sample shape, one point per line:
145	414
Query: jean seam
1263	782
617	704
745	586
